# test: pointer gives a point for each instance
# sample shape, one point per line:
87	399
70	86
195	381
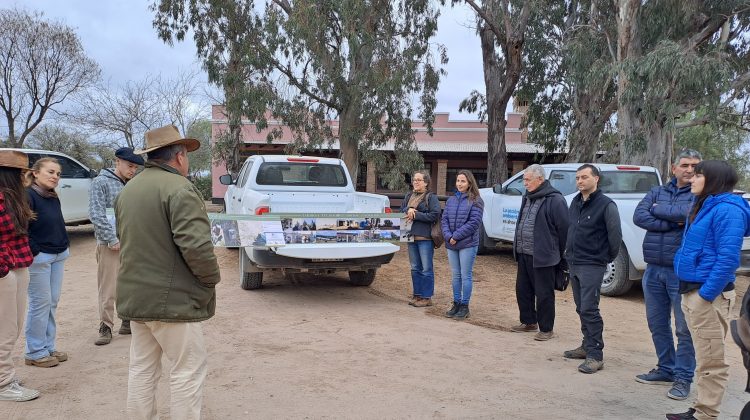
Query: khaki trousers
182	343
708	324
106	275
13	288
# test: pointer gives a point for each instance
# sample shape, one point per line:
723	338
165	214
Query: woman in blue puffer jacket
461	220
705	264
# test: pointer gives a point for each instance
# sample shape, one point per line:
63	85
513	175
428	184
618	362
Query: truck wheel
362	278
616	279
485	243
248	280
251	281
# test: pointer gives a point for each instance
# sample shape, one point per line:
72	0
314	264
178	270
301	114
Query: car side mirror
226	180
92	173
497	189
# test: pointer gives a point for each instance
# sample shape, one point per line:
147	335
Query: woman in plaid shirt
15	257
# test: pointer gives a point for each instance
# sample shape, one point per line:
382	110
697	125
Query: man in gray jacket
104	190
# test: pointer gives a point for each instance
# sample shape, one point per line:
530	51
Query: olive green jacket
168	269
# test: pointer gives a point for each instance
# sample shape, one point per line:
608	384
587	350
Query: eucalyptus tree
570	79
675	57
502	27
312	62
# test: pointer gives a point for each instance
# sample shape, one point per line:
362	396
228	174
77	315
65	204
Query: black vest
588	242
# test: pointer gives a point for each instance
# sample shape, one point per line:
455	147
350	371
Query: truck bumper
319	257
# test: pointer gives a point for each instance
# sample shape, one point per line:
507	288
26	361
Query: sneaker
61	356
452	311
462	312
125	327
655	377
421	303
105	335
15	392
680	390
688	415
46	361
524	328
543	335
591	365
578	353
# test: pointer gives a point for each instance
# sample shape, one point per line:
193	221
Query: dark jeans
536	283
422	276
661	293
586	281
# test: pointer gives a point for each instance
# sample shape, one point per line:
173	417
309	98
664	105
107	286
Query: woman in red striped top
15	258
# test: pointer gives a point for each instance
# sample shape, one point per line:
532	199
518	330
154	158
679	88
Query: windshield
301	173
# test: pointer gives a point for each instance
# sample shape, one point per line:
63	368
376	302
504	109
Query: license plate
326	259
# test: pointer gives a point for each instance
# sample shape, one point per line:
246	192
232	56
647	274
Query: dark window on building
450	182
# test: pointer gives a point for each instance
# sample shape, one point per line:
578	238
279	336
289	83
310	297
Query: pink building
454	145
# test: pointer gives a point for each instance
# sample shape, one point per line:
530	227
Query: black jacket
428	212
594	235
550	226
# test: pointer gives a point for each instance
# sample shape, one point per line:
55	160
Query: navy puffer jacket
461	221
662	213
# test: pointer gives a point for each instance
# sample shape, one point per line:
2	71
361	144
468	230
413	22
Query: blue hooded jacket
711	245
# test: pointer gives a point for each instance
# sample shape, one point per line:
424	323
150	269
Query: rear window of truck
610	182
301	174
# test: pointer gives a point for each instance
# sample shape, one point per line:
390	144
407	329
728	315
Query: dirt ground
315	347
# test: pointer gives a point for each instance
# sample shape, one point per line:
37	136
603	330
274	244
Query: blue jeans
462	263
661	293
422	276
45	285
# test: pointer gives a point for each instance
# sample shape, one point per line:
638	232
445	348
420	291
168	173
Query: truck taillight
387	210
262	210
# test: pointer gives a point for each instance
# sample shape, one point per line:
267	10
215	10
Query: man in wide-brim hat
168	271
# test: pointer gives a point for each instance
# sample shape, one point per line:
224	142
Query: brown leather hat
166	136
14	159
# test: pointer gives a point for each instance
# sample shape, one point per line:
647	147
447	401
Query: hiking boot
688	415
680	390
46	362
577	353
421	303
655	377
462	312
524	328
591	365
543	335
15	392
125	327
452	311
61	356
105	335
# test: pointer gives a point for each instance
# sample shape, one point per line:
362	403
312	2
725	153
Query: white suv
74	185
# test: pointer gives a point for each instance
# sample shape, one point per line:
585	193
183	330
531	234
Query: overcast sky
119	36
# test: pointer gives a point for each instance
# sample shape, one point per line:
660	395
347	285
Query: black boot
125	327
452	311
463	312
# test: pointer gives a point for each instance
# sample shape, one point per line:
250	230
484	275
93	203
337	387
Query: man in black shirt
594	238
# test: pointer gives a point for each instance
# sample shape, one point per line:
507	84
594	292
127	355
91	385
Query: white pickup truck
625	184
298	186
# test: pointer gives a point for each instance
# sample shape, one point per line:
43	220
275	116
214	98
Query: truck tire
248	280
362	278
616	279
485	243
251	281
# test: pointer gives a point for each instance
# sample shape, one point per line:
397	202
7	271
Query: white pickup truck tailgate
336	251
306	202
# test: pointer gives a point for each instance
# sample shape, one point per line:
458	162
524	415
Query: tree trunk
658	151
592	114
628	47
349	141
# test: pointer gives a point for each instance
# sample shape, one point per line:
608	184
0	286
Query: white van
74	185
